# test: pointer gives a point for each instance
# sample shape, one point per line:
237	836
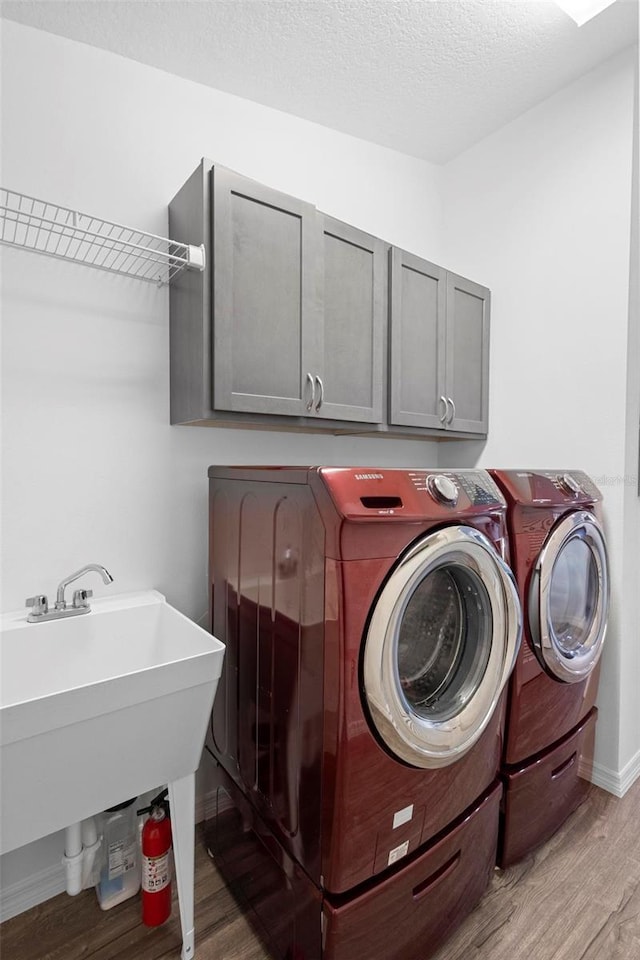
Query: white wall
540	212
92	471
630	620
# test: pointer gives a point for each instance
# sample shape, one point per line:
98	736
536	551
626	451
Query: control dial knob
443	489
569	485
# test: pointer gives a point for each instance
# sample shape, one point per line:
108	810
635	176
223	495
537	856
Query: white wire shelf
55	231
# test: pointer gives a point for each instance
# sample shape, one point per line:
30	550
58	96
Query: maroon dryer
371	624
559	558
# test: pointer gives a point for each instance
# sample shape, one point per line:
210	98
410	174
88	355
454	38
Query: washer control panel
480	488
569	484
396	495
443	488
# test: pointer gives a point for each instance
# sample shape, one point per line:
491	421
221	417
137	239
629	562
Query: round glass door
444	641
569	598
440	646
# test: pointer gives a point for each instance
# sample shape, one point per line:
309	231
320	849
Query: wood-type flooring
576	898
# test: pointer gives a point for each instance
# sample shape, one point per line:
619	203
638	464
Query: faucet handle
80	597
39	605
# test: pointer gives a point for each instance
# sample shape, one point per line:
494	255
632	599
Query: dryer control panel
549	487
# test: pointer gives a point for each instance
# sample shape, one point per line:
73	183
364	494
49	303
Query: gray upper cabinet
303	321
266	304
353	269
417	341
467	379
439	348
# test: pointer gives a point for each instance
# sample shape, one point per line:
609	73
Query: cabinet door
266	309
467	380
354	315
418	331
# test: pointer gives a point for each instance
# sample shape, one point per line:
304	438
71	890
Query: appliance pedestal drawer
408	914
540	795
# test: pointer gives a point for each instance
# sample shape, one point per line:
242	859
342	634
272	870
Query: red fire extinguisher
156	863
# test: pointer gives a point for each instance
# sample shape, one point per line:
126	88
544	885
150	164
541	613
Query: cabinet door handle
453	410
321	397
313	393
443	401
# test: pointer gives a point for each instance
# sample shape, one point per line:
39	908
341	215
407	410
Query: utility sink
99	708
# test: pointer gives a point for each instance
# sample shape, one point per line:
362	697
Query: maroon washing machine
371	624
559	558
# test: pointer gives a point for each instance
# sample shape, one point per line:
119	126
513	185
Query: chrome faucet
61	603
40	605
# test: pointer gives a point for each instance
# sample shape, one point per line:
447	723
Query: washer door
441	643
569	598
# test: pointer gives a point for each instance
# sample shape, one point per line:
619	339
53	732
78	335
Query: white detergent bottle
120	871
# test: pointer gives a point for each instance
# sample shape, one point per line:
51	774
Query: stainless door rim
419	741
555	661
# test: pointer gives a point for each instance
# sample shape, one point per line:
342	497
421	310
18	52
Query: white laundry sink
99	708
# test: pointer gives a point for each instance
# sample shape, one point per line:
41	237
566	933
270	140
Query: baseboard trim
32	890
201	808
209	804
614	781
205	806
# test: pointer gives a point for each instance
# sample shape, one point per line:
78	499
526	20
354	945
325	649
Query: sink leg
182	801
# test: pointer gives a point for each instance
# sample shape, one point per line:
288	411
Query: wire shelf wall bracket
56	231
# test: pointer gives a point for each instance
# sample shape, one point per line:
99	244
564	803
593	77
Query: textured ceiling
426	77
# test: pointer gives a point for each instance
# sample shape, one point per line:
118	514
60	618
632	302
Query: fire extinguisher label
156	873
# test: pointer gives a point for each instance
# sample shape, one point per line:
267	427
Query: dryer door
441	643
569	598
